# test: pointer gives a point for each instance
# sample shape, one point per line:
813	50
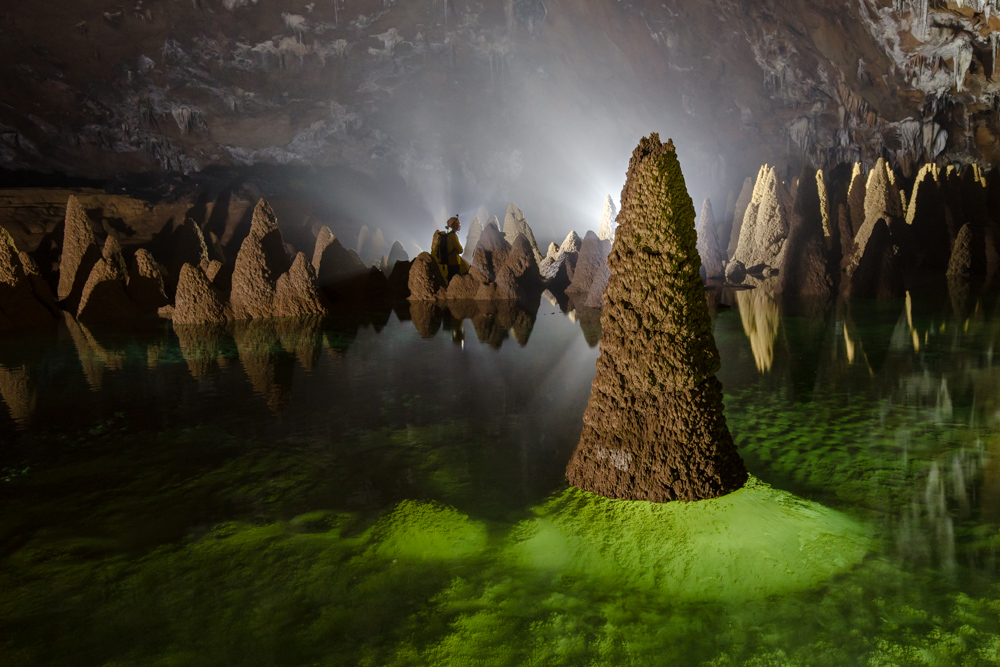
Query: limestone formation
340	273
514	224
296	293
491	252
572	243
187	246
831	234
39	287
877	267
104	295
517	276
25	299
882	199
425	280
926	217
79	254
606	228
968	259
856	199
145	285
593	255
323	239
398	287
735	272
197	300
654	427
739	211
595	297
396	254
363	239
261	260
806	271
765	223
375	249
713	258
472	239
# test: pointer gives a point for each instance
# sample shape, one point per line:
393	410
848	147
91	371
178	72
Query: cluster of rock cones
854	234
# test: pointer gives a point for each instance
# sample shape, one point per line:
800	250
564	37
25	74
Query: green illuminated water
348	492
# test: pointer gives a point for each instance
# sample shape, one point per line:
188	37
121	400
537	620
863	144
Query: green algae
751	543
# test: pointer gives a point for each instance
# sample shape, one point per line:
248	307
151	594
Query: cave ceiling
466	101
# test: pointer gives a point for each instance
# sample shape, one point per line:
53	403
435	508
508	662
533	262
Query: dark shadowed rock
806	271
341	275
735	272
968	257
712	256
261	260
296	293
187	246
595	297
877	271
24	301
856	199
104	295
654	427
323	238
79	255
593	255
145	282
926	217
197	301
739	213
425	280
396	254
39	287
398	287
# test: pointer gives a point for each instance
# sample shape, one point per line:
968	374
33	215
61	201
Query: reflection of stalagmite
654	428
94	357
201	346
267	366
17	388
426	317
303	337
760	316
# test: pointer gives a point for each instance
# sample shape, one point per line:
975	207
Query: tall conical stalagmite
654	428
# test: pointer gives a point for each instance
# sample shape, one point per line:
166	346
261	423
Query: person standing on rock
447	250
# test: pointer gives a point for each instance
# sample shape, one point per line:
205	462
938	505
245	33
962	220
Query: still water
387	489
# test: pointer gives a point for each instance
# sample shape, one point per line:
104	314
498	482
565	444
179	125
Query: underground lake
388	488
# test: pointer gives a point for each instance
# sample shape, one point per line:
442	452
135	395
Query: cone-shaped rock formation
765	223
513	224
79	254
606	228
712	256
654	427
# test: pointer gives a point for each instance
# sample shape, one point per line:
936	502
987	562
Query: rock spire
654	428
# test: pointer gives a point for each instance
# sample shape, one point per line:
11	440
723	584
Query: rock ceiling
467	101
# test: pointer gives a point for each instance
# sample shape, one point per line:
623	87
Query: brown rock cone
426	282
593	255
260	262
22	292
296	293
79	254
198	302
104	296
654	428
145	282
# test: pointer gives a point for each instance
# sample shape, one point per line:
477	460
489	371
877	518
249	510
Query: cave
703	375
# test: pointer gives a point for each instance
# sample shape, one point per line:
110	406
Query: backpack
439	247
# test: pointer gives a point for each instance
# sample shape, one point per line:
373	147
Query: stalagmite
79	254
197	301
513	224
606	228
766	223
926	217
806	271
654	428
712	257
472	240
260	261
104	295
856	199
593	255
739	211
